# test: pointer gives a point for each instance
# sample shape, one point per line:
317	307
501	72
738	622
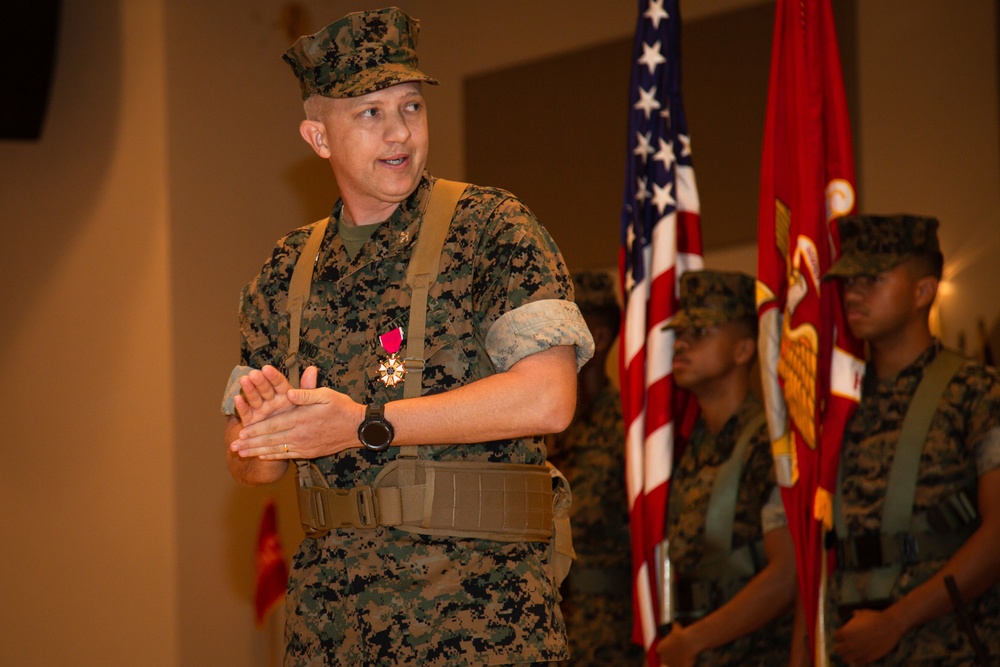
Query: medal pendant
391	371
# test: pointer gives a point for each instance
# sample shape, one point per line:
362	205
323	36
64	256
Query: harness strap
721	512
897	510
506	502
422	272
298	294
901	487
697	594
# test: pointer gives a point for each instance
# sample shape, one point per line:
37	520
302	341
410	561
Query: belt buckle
364	507
318	512
909	548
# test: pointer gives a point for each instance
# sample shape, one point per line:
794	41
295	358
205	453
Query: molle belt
872	550
700	593
497	501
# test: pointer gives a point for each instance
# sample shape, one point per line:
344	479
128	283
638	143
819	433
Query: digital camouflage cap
871	244
359	54
594	290
709	298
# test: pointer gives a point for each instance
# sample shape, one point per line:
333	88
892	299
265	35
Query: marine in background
596	596
730	549
919	497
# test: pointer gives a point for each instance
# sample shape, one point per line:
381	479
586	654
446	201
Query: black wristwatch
375	433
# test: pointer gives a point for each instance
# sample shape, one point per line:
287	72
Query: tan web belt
497	501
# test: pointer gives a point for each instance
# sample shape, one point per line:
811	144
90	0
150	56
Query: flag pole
822	656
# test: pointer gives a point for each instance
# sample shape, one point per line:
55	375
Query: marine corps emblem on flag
800	345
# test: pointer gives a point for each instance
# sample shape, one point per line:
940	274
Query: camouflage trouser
385	597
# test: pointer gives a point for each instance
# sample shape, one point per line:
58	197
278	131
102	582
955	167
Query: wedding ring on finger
286	447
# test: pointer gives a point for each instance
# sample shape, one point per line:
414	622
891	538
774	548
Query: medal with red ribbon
391	370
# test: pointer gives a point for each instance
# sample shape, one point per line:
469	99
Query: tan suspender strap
721	511
422	273
298	294
897	511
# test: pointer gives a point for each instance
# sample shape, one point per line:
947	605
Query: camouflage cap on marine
870	244
709	298
594	290
359	54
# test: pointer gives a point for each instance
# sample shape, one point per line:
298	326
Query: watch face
375	436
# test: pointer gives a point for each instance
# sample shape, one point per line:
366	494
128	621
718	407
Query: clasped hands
280	422
679	648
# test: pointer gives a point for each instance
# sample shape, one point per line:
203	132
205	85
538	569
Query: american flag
660	239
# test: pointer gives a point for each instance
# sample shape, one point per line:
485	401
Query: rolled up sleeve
535	327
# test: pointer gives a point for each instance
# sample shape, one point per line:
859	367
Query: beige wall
930	138
170	163
88	481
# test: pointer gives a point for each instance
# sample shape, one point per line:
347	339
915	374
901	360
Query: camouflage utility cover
359	54
594	290
597	594
387	596
709	298
871	244
963	443
690	491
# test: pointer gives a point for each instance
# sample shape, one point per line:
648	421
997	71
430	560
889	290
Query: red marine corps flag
660	239
811	367
272	572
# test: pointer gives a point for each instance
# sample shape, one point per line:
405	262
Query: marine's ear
926	288
745	350
314	133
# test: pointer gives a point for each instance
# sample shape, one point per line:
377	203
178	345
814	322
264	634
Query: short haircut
747	326
931	264
315	107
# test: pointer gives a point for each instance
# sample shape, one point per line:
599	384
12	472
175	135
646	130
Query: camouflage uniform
597	598
707	299
690	489
387	596
963	443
